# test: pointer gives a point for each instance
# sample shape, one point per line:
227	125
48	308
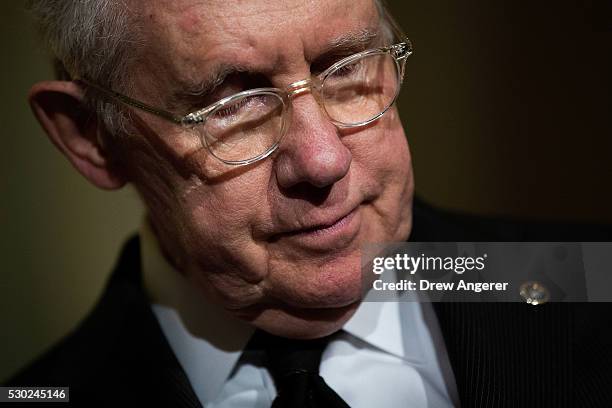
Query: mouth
337	233
326	228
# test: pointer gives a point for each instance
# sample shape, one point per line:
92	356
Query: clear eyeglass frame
399	52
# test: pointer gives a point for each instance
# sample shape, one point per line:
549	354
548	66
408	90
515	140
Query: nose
311	151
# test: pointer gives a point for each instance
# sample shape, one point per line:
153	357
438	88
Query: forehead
186	36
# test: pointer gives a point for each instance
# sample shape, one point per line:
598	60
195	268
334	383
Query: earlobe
60	109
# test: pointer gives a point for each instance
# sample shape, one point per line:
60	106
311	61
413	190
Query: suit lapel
148	355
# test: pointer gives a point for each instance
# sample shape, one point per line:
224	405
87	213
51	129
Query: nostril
308	192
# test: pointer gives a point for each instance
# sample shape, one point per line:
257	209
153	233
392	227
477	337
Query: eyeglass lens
246	127
360	90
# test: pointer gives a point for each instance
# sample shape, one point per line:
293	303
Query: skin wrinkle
217	221
195	40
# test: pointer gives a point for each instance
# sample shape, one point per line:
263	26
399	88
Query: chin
301	323
316	305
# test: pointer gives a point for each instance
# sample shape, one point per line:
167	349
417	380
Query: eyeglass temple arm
126	100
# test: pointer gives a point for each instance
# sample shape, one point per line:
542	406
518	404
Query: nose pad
299	87
312	85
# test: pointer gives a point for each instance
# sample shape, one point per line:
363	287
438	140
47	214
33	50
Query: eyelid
320	66
194	99
191	96
233	83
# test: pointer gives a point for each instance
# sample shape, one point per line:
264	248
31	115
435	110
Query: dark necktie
294	366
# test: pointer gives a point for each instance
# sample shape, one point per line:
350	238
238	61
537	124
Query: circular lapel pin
534	293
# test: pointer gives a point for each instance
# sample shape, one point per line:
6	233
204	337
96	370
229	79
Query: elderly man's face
277	242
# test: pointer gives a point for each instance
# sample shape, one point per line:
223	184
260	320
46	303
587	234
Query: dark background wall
506	106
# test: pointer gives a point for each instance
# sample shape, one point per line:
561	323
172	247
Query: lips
324	227
313	220
333	232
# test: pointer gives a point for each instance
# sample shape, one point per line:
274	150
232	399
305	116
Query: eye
325	61
231	109
348	69
242	109
238	82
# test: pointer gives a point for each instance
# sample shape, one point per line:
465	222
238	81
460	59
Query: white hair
90	39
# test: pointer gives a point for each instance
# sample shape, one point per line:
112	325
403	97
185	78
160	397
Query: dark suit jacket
502	354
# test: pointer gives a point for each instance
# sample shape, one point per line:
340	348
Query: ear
59	107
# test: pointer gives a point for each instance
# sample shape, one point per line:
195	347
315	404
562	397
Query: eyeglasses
249	126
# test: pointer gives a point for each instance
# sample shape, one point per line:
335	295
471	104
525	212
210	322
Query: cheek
386	162
203	216
211	226
220	220
381	152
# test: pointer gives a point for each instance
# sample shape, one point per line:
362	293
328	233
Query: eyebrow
344	46
189	95
354	41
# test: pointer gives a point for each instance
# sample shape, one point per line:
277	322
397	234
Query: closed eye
348	69
231	109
